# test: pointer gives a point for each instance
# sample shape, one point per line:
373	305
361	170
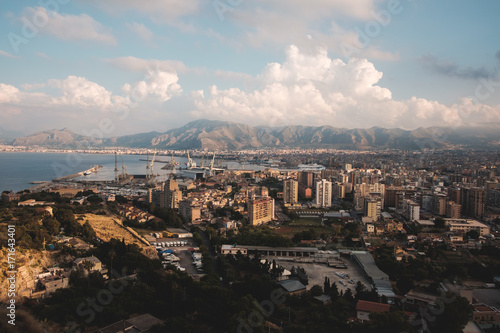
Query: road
208	244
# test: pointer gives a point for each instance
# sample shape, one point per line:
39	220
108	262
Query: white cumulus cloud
82	92
159	85
8	94
313	89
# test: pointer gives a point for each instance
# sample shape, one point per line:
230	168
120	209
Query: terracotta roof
372	306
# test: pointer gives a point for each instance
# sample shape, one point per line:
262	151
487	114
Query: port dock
79	174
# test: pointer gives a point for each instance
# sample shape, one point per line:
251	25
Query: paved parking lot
186	261
317	273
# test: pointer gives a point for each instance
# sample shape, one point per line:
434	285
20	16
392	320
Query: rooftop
489	297
269	248
426	222
138	324
365	260
483	308
372	306
472	223
292	285
91	259
322	298
419	295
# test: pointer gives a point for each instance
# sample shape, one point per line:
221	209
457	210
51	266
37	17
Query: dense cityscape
374	241
230	166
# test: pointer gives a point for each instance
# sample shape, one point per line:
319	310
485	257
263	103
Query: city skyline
127	67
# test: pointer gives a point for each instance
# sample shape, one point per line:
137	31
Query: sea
18	170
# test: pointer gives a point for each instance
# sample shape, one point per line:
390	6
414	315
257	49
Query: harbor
87	172
119	169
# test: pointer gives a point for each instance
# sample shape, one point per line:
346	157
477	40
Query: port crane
149	166
190	163
116	167
211	167
124	169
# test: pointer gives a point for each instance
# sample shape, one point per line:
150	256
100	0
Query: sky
116	67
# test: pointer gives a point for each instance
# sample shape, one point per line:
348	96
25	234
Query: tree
334	290
404	284
360	287
87	265
439	223
371	296
351	230
111	255
64	215
389	322
68	221
52	225
302	276
474	234
316	290
348	295
304	235
94	199
455	315
88	232
327	289
121	199
278	271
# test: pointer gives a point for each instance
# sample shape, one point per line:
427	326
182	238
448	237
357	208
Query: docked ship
171	165
95	168
311	167
196	172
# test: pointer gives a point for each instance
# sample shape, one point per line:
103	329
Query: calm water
17	170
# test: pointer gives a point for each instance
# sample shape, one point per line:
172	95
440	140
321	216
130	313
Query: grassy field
107	227
306	221
374	241
290	231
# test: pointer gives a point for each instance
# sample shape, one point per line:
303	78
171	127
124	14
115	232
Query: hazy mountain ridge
57	138
210	134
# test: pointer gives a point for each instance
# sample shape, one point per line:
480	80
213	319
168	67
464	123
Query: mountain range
223	135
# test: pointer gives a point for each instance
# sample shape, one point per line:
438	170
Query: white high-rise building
412	210
323	193
372	208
